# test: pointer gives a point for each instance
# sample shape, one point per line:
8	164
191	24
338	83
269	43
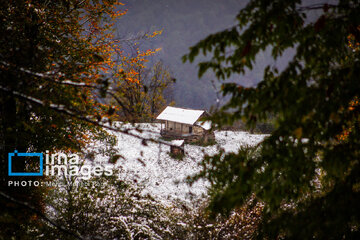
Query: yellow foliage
298	132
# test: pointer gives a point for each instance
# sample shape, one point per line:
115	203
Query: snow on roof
177	143
204	124
180	115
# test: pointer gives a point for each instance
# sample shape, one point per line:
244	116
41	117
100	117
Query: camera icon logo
16	154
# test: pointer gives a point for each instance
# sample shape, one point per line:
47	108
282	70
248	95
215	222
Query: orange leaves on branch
154	34
345	134
130	66
354	44
83	51
353	38
92	56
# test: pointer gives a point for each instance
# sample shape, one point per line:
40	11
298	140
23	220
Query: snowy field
158	173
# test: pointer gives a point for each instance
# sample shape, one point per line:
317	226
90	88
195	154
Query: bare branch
63	110
316	7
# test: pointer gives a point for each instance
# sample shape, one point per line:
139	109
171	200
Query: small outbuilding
177	147
186	124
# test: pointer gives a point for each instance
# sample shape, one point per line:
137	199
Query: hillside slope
162	176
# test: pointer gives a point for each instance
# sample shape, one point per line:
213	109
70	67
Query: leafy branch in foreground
55	58
311	101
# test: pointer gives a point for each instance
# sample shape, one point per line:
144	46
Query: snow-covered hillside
159	174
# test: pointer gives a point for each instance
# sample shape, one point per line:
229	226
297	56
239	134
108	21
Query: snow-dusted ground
162	176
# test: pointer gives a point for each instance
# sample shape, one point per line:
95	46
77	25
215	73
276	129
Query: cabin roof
180	115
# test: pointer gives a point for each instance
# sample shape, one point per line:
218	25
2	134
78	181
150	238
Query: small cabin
182	123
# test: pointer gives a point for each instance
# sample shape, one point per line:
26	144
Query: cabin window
190	129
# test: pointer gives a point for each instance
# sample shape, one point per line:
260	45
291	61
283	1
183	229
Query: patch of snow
204	124
151	166
177	142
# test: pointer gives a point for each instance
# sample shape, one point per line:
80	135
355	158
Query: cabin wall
185	128
198	130
170	126
178	127
173	129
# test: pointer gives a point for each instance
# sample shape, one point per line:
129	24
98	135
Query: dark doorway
190	129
